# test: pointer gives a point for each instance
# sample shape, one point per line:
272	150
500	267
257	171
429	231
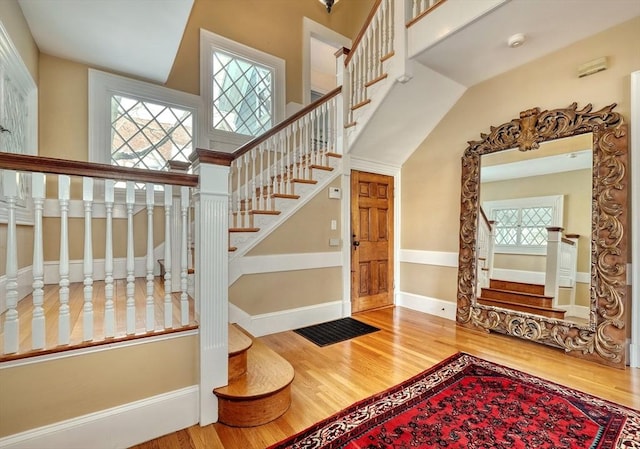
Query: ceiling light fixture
516	40
329	3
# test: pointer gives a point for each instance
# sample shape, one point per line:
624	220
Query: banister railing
269	166
118	294
421	8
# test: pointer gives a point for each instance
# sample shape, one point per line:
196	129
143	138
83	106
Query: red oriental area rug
467	402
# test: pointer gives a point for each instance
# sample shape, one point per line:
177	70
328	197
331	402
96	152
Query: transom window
521	224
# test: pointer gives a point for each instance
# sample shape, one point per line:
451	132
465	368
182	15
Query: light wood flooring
76	301
331	378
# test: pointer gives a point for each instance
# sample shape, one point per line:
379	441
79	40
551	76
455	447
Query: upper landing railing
68	192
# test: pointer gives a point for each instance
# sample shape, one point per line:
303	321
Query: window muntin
242	95
521	224
148	135
242	90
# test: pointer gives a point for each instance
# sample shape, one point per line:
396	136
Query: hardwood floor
76	302
330	378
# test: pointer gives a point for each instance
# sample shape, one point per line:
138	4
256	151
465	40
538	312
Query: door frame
354	163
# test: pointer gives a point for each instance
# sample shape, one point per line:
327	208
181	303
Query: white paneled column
38	319
212	282
150	306
87	309
552	275
11	323
64	317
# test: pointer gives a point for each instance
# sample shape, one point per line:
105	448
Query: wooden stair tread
267	373
544	311
244	229
321	167
264	212
286	196
304	181
516	286
238	340
527	294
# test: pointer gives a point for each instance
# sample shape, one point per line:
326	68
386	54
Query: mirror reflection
534	229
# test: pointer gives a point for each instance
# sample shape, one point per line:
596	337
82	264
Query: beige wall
431	176
38	394
306	231
273	26
16	26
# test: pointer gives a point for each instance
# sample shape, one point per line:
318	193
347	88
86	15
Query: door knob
355	242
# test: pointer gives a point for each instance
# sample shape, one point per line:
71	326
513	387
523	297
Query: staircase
259	388
519	296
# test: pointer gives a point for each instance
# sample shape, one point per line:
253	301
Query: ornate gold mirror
564	251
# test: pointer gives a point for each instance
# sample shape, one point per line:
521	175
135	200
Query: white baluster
11	319
87	309
109	309
283	177
168	309
150	306
184	303
416	9
38	319
131	278
247	197
260	193
254	187
269	205
64	324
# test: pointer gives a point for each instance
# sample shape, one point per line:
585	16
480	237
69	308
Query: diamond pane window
148	135
242	95
525	226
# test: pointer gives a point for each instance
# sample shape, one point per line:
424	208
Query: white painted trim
121	426
370	166
576	311
634	345
76	268
345	232
285	320
14	69
25	281
426	304
439	258
283	262
99	348
314	29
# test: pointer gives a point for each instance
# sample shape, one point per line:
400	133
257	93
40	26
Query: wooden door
372	241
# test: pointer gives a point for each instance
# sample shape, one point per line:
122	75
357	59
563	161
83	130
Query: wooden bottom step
239	344
260	395
547	312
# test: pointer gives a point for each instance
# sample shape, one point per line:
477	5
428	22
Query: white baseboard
285	320
116	427
432	306
76	269
634	355
576	311
25	286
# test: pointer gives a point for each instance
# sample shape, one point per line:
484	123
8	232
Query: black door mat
331	332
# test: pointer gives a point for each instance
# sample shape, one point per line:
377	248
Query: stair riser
237	365
517	286
517	298
523	308
254	412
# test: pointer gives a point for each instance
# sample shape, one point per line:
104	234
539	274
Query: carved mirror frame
604	338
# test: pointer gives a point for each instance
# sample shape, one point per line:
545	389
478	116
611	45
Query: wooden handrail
424	13
488	222
24	162
286	122
568	242
363	30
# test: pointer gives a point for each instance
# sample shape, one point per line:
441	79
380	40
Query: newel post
211	278
552	275
342	79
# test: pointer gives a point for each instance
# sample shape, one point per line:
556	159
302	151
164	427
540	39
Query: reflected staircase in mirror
519	296
259	388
